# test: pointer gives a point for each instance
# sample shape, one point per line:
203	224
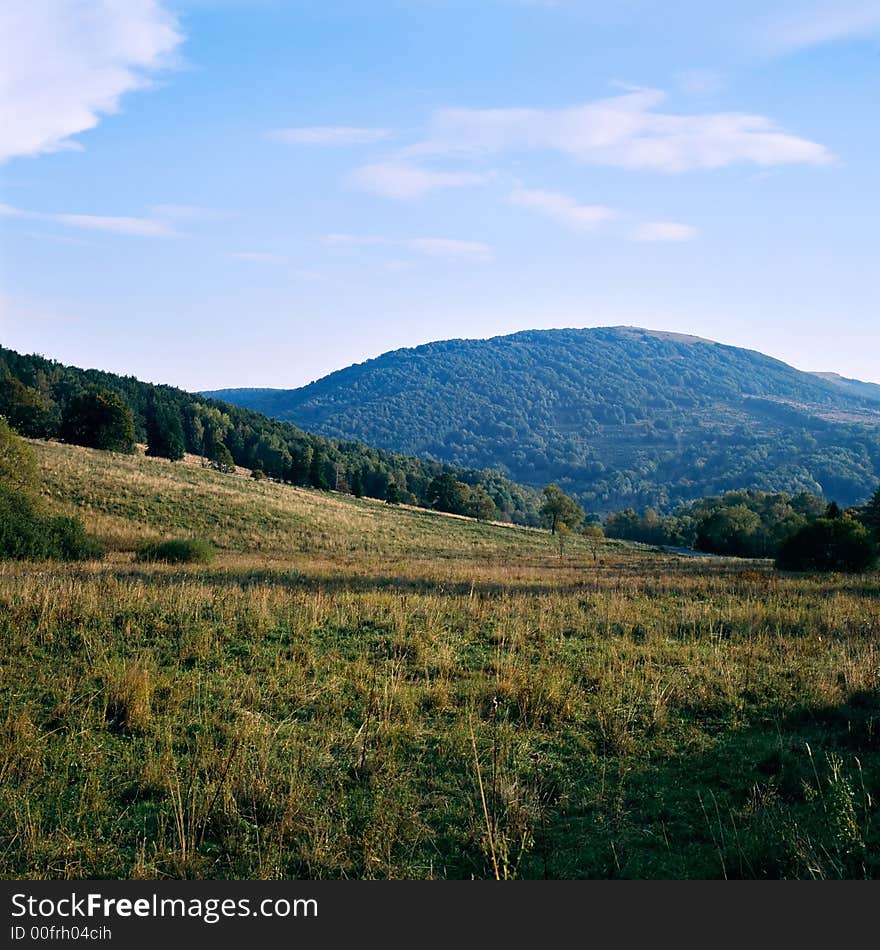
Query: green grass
372	692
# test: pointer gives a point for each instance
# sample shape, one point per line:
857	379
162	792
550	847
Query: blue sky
226	193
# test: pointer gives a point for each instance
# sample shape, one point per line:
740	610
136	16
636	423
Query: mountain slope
619	416
854	386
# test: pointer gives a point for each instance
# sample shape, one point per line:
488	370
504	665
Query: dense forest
618	417
42	398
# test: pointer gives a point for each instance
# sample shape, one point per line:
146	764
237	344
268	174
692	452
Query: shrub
25	534
178	551
18	462
69	541
838	544
258	474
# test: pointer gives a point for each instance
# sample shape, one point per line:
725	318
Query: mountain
619	416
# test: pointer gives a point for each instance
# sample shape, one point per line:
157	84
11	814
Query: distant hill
853	386
619	416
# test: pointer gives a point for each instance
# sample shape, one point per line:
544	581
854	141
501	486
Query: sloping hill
853	386
36	391
619	416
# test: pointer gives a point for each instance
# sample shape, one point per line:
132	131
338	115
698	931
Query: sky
220	193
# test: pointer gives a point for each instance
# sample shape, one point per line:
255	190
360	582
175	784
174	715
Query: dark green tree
734	531
24	409
833	511
221	458
164	432
870	515
99	419
392	494
318	472
480	504
826	544
559	509
446	493
357	484
300	465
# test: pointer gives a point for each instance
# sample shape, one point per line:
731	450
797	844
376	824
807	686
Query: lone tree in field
560	509
99	419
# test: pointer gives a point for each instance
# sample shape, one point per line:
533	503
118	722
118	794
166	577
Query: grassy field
352	690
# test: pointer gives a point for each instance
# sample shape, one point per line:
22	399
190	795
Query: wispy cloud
430	246
405	180
67	63
626	131
562	208
111	224
817	24
664	231
329	135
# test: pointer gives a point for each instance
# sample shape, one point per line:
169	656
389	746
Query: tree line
41	398
800	532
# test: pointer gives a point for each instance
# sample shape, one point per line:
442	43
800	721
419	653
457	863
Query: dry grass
382	693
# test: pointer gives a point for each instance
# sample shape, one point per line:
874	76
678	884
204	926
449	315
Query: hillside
854	386
35	392
618	416
126	500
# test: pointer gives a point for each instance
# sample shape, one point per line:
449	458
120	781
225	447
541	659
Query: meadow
355	690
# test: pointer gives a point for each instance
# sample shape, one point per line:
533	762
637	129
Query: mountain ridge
619	416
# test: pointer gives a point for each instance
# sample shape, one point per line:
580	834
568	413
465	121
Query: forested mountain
620	417
44	398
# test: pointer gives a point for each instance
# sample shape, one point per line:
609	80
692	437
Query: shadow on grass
795	797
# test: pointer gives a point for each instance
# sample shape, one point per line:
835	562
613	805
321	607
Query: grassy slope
324	700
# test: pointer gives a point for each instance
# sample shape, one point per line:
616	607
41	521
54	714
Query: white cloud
664	231
562	208
329	135
625	131
430	246
405	180
818	23
66	63
112	224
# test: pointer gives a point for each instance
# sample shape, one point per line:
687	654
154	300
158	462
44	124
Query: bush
25	534
178	551
18	463
838	544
